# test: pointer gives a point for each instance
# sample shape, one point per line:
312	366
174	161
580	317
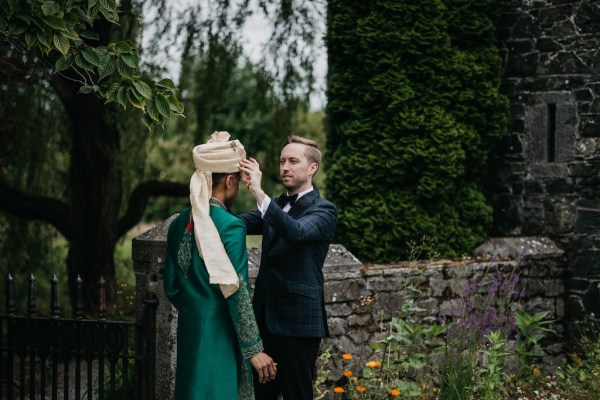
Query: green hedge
414	109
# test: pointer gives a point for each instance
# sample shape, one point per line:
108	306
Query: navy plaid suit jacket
289	286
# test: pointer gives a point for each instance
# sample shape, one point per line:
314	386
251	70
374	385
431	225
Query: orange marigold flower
536	372
347	356
373	364
394	392
338	389
347	374
361	389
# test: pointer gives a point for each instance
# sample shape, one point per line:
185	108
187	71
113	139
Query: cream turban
219	154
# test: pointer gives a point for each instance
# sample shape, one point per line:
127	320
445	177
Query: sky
255	35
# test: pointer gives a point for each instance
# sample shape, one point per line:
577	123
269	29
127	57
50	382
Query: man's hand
264	365
252	176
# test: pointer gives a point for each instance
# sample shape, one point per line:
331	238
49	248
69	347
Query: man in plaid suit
288	300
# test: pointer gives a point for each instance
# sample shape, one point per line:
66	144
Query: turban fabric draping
222	155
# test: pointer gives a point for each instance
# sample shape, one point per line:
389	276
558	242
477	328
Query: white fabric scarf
218	155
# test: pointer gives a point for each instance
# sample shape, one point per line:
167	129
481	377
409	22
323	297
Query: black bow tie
284	198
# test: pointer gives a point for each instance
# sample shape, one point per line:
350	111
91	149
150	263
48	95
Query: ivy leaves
61	32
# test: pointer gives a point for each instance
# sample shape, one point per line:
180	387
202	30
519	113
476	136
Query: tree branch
138	200
29	206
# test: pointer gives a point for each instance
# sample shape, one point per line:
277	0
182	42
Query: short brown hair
312	152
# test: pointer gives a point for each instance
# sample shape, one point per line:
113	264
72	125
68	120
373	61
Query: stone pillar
148	254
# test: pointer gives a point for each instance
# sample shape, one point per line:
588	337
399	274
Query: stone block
345	290
521	65
574	307
582	95
587	221
587	263
559	303
587	18
338	309
553	287
590	127
578	169
591	299
546	44
337	326
449	308
362	320
525	27
538	304
578	285
554	14
520	46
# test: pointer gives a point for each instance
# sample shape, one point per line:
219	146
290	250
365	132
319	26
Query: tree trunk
95	198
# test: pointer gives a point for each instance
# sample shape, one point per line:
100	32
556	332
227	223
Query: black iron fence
75	358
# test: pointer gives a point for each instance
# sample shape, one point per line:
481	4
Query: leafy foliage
414	109
61	33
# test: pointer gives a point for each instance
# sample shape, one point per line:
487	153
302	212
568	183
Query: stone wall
548	163
359	296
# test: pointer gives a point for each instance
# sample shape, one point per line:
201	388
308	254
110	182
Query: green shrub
413	111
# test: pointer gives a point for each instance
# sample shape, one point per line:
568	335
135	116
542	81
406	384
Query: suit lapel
303	203
297	209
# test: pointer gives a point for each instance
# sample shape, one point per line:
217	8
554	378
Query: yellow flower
434	389
347	356
394	392
338	389
536	372
354	380
373	364
423	386
347	374
361	389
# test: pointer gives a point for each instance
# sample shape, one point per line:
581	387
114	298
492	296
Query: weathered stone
546	44
582	95
590	127
525	27
339	309
554	14
553	288
522	64
591	299
579	285
578	169
587	18
559	303
587	220
346	290
586	263
520	46
360	320
337	326
574	307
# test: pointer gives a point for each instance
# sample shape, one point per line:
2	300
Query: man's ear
313	168
228	181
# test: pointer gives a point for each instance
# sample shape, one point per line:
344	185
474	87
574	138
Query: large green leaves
62	32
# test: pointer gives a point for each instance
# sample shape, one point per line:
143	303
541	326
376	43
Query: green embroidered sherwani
215	336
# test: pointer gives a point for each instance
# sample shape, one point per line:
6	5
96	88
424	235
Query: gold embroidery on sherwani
249	337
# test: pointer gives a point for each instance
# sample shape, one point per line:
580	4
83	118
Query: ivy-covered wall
413	110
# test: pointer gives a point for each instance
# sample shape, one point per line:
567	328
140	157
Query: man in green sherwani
206	279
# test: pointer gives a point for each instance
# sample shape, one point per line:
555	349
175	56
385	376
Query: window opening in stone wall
551	133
